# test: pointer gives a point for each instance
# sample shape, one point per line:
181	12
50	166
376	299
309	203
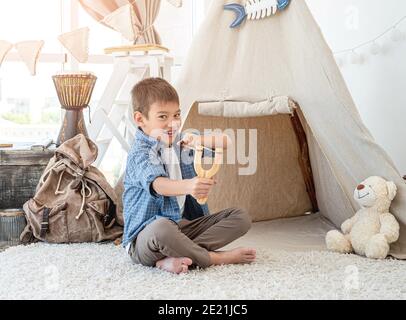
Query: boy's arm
215	141
211	141
170	188
197	187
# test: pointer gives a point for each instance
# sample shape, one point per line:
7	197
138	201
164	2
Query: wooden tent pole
304	158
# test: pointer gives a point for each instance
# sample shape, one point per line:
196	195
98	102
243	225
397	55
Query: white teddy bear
370	231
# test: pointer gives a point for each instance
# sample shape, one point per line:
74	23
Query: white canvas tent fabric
286	55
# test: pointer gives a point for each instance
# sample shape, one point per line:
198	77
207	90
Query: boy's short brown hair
151	90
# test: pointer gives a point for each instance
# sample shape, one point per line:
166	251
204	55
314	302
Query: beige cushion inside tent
305	233
277	188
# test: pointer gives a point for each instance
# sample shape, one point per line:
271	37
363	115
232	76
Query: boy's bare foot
174	265
239	255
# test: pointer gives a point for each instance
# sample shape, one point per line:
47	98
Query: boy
161	188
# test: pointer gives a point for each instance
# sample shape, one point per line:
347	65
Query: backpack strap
48	170
45	222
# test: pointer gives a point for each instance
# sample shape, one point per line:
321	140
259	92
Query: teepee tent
278	76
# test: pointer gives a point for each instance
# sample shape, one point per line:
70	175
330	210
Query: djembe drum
74	93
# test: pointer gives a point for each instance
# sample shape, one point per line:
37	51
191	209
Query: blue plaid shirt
142	205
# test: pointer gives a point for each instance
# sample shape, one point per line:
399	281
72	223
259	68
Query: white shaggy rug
92	271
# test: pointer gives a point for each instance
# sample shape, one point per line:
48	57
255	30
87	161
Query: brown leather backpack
73	200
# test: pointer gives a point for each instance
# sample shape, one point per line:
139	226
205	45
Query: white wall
378	85
176	26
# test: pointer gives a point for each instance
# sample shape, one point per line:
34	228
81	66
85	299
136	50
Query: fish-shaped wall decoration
255	9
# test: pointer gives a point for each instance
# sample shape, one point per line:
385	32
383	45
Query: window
29	107
22	20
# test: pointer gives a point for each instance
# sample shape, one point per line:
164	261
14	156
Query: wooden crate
12	224
20	170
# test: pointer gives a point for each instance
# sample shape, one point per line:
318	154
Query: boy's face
163	122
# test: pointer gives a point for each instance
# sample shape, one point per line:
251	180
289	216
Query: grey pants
191	239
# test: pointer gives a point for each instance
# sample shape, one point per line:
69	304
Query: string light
375	48
355	58
396	35
340	61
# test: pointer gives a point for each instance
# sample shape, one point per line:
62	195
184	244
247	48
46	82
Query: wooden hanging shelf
135	48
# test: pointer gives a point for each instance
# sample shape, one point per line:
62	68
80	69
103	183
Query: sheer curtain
143	15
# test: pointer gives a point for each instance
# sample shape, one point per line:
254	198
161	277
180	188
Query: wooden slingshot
202	173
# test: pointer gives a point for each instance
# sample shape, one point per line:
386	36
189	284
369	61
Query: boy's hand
200	188
191	140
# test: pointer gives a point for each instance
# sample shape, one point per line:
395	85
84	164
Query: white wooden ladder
115	103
